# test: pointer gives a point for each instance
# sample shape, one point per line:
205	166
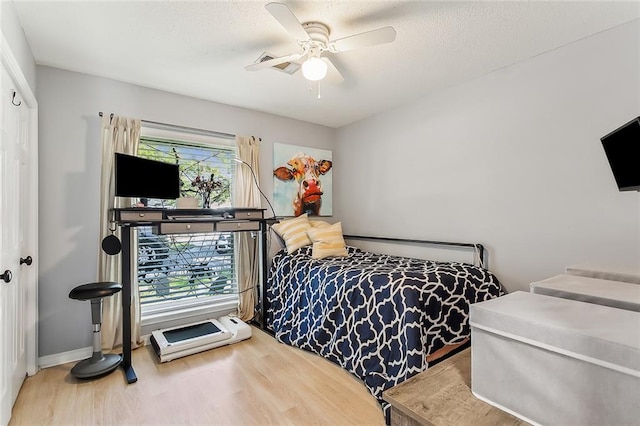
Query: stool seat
95	290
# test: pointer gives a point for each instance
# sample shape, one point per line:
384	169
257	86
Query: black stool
98	364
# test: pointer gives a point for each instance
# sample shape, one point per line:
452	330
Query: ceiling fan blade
273	62
370	38
288	20
333	75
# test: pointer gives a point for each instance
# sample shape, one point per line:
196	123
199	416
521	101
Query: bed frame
479	248
263	305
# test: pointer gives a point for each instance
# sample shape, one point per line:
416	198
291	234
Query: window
181	272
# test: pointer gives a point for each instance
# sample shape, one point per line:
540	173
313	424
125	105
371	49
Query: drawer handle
141	214
188	226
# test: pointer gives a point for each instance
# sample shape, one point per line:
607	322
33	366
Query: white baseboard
150	324
77	355
65	357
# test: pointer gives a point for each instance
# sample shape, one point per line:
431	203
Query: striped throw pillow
327	241
294	232
318	223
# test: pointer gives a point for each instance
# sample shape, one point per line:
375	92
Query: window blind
190	266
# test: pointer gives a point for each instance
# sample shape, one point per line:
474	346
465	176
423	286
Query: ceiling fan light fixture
314	69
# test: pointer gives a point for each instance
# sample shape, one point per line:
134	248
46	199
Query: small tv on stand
622	147
138	177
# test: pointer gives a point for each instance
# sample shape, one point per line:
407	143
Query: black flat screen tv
142	178
622	147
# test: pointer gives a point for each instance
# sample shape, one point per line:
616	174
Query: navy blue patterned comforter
377	316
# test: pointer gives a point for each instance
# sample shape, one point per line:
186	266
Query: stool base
97	365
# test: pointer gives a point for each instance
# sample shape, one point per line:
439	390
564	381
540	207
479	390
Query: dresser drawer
256	214
229	226
146	216
184	227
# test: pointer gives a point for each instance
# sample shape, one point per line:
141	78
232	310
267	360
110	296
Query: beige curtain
119	134
246	247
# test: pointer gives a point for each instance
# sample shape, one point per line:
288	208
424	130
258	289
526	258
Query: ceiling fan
313	38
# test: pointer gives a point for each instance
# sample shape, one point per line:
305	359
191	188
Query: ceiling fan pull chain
314	86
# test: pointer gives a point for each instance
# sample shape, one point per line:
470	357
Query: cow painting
305	171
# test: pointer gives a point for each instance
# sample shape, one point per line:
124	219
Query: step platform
554	361
627	274
616	294
177	342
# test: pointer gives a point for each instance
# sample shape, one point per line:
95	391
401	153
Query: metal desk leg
126	305
262	252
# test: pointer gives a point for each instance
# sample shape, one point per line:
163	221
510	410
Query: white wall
70	173
512	160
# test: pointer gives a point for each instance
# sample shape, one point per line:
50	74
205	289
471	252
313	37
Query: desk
173	221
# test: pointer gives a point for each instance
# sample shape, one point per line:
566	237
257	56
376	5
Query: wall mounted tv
141	178
622	147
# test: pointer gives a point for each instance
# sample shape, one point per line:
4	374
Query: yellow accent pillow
327	241
318	223
294	232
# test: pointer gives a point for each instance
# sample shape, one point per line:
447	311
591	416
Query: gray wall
14	35
70	178
512	160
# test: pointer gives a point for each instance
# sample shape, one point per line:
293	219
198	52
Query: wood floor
255	382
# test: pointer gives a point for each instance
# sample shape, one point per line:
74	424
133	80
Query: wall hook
13	99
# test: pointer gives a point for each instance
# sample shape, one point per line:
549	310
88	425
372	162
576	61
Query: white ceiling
200	48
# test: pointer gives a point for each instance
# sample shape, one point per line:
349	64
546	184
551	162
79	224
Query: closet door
14	221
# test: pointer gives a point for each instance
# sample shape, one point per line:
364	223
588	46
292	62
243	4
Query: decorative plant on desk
206	187
207	183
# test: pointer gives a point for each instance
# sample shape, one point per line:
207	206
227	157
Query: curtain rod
186	128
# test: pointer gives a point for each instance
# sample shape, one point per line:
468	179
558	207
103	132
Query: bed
378	316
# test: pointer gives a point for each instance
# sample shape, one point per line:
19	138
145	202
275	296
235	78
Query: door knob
28	260
6	277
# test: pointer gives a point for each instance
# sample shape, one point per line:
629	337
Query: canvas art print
302	181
